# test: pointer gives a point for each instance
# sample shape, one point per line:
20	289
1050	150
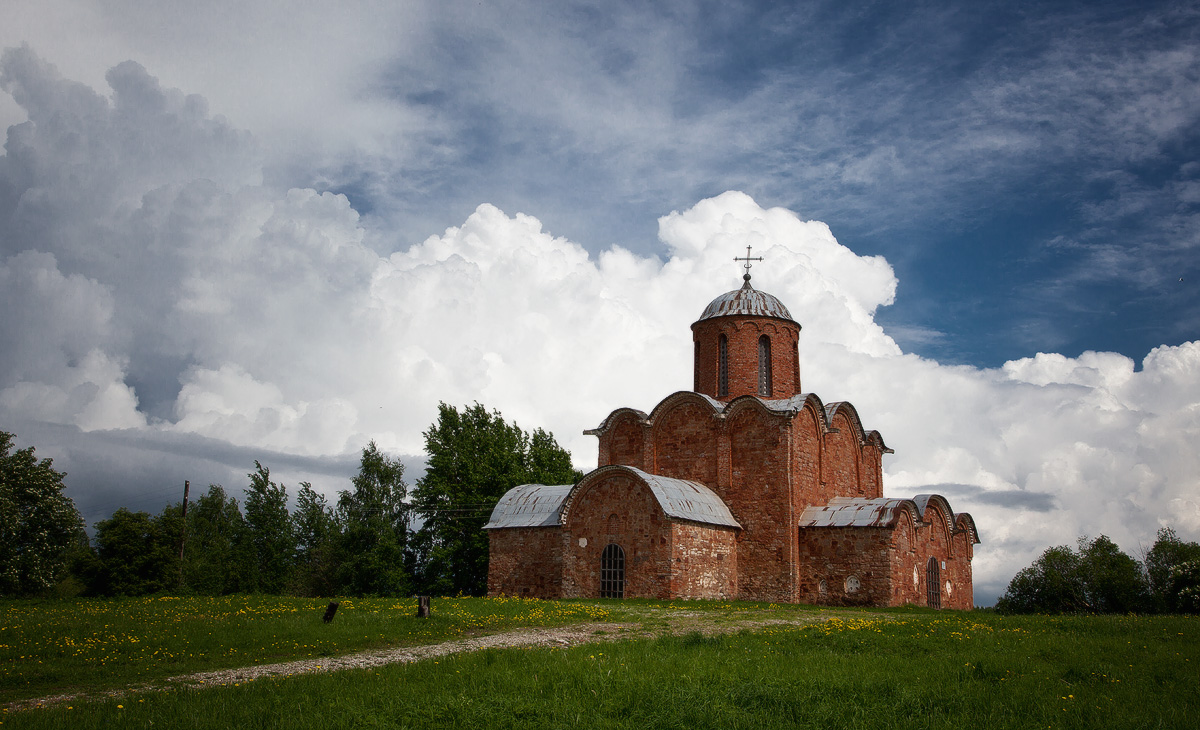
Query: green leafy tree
1185	585
1099	578
137	553
1113	581
1053	584
268	531
212	560
374	528
316	531
474	458
1167	552
83	567
39	525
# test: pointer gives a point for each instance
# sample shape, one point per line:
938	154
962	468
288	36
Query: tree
1099	578
1053	584
474	458
315	528
1160	560
39	525
1114	582
137	552
216	529
374	527
1185	585
269	531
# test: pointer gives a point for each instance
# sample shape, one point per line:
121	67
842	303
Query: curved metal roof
853	512
686	500
537	505
746	301
882	512
529	505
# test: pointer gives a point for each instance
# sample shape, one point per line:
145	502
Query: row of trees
1098	577
354	546
375	539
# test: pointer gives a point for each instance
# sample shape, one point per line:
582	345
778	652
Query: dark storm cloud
965	495
145	469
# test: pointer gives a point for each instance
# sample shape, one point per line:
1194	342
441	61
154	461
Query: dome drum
746	343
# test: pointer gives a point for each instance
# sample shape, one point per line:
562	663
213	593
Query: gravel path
559	637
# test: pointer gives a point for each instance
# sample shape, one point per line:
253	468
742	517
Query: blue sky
1028	169
242	230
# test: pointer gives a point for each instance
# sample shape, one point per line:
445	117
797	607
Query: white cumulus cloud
157	290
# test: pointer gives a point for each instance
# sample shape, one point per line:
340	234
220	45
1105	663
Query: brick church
743	488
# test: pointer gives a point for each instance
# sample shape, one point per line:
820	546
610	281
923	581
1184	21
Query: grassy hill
650	664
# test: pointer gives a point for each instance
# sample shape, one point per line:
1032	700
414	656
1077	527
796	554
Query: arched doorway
612	572
933	584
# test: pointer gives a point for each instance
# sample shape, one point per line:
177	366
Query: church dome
746	301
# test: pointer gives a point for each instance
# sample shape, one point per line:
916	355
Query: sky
274	231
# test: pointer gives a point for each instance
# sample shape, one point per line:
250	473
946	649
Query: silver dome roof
746	301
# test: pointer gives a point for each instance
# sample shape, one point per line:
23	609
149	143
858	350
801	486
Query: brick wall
871	470
625	443
760	499
959	572
807	489
704	561
525	561
742	355
846	566
617	509
664	558
839	462
915	545
683	443
906	573
891	564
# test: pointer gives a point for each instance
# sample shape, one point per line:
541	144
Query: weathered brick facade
743	488
666	558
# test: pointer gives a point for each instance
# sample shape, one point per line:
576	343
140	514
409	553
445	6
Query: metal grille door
612	572
933	584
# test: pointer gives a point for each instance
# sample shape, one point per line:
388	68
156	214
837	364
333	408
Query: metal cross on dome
747	258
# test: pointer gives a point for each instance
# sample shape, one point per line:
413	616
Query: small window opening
764	366
722	366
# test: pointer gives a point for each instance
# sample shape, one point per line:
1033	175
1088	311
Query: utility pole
183	529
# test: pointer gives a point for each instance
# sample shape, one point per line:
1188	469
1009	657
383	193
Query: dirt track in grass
655	622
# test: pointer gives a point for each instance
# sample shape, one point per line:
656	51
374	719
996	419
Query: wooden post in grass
183	529
422	606
330	610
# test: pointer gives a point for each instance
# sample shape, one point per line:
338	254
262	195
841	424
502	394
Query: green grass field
49	647
898	668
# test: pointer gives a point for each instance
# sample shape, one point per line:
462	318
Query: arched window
933	583
796	367
612	572
764	366
722	366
